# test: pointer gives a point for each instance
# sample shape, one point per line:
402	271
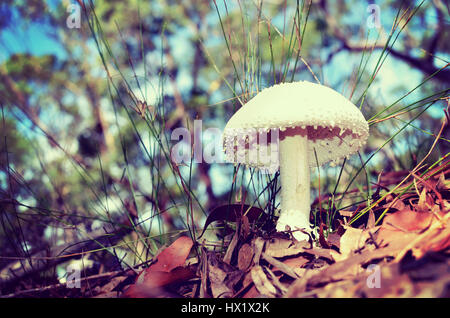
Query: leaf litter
406	255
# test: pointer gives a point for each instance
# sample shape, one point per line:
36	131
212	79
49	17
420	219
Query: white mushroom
306	119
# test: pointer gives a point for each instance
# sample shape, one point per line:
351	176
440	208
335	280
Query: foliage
87	114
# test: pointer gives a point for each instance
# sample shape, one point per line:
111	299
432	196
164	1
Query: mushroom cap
335	127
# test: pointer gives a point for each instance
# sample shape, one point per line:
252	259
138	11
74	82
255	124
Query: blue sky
22	37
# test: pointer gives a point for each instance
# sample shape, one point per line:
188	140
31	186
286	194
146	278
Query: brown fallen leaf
278	247
395	203
232	245
153	284
106	290
262	283
245	257
298	288
280	266
371	221
403	227
394	237
203	272
408	221
167	270
328	254
352	240
161	279
346	213
344	269
258	245
334	239
296	262
387	282
111	294
322	240
396	284
422	204
173	256
217	278
281	288
348	278
435	238
222	277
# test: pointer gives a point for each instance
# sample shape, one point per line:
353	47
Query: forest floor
406	255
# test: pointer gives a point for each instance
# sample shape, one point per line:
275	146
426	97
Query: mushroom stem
295	185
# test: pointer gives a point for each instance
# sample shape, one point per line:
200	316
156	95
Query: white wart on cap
286	126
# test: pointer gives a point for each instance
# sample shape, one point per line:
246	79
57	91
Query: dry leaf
403	227
296	262
352	240
173	256
245	257
278	265
262	283
232	245
394	203
258	247
247	282
111	294
297	288
217	278
222	277
152	284
334	239
168	269
161	279
440	184
426	277
371	221
345	269
346	213
278	247
108	288
408	221
394	237
276	282
422	204
324	253
435	238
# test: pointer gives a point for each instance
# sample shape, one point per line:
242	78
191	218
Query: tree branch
425	64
